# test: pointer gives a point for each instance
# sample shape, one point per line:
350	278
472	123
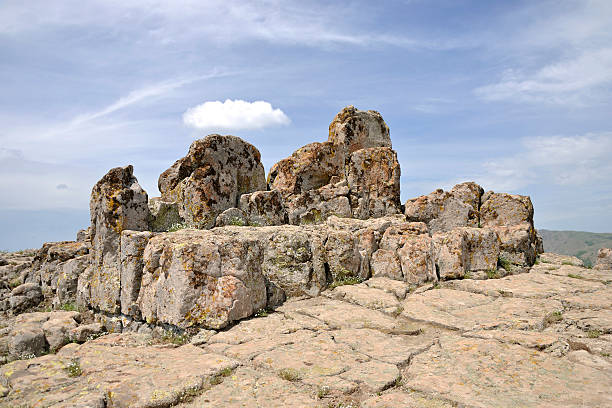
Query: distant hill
583	245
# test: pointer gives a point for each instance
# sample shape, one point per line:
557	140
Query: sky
515	95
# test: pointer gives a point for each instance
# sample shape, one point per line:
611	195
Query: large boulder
518	244
444	210
117	203
353	174
133	244
24	297
67	280
503	209
353	129
49	261
373	176
604	259
263	208
211	178
200	278
308	168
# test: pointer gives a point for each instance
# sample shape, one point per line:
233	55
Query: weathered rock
479	373
113	371
451	253
385	263
57	330
517	243
483	249
604	259
84	235
442	211
117	203
164	214
201	278
133	244
315	206
373	176
3	261
264	208
502	209
353	129
211	178
24	297
249	388
232	216
67	281
558	259
417	260
48	263
293	260
85	332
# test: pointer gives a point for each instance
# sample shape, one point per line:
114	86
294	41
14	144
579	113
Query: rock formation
368	291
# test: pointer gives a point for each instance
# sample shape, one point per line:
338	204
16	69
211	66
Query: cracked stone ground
539	339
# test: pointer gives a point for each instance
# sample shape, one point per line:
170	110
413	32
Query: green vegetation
14	283
553	318
468	275
323	392
74	368
492	274
289	374
237	221
583	245
572	275
69	307
344	277
504	263
593	334
262	313
177	226
173	337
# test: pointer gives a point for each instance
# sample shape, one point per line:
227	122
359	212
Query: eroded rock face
502	209
354	174
373	177
353	129
211	178
263	208
444	210
604	259
117	203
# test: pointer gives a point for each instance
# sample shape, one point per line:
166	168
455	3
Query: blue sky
515	95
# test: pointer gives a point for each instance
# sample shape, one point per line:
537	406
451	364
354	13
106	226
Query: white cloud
556	160
234	115
568	81
221	21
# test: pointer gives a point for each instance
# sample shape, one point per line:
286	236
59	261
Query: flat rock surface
537	339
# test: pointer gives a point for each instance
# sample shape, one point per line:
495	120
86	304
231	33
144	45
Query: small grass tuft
492	274
289	374
170	336
69	307
178	226
398	311
74	368
553	318
14	283
323	392
593	334
567	263
237	221
572	275
349	280
504	263
262	313
436	285
467	275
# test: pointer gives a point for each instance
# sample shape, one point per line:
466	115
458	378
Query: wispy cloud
555	160
234	115
571	81
221	21
561	55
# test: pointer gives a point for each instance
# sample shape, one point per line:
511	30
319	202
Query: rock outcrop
211	178
354	174
315	288
604	259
